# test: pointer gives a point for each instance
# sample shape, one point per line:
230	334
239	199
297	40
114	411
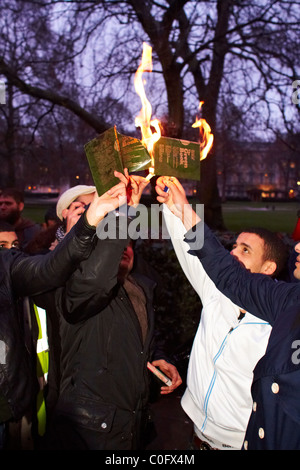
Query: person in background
18	433
8	236
69	208
50	218
58	222
229	341
11	207
71	204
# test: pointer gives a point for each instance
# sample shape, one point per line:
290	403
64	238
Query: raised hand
101	205
135	186
175	197
176	200
73	213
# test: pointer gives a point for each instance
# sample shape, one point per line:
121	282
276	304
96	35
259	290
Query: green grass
278	217
36	212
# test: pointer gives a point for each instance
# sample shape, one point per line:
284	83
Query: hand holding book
135	186
109	201
112	151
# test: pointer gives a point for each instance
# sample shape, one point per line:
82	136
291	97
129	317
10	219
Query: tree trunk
10	139
207	192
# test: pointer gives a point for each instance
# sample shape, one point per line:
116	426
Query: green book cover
112	151
179	158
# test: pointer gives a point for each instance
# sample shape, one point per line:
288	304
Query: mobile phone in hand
166	380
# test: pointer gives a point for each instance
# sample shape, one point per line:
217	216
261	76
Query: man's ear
269	268
21	206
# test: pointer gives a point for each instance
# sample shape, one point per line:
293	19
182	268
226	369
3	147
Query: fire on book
144	121
157	154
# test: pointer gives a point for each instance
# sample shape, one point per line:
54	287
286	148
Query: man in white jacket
229	342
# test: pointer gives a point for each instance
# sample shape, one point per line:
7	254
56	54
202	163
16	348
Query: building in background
258	171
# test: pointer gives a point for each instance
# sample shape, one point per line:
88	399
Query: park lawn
36	212
278	217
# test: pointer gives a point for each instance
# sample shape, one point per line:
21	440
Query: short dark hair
6	227
15	193
51	215
275	249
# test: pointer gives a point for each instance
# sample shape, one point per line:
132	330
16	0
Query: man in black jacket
22	275
106	330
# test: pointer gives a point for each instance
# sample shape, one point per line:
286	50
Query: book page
104	158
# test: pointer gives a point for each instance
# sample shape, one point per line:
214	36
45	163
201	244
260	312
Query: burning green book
179	158
112	151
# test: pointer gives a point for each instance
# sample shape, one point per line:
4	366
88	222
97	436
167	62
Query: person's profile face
297	263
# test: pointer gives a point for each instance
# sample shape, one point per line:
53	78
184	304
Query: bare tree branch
95	122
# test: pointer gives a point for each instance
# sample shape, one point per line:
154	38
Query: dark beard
12	217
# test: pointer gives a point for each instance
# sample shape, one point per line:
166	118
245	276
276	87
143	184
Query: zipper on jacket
213	380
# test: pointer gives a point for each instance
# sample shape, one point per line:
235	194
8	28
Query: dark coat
26	230
104	378
275	419
22	275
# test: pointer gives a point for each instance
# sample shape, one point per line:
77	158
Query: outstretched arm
91	287
176	200
32	275
256	293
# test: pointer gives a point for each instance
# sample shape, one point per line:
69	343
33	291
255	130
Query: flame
143	120
207	137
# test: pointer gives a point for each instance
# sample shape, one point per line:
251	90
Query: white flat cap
70	195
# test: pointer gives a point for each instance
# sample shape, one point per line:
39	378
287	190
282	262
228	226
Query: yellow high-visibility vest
42	351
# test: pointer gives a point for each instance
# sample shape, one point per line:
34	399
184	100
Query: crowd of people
86	339
77	329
